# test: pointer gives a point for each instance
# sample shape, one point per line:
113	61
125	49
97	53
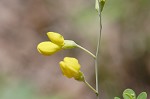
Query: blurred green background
124	57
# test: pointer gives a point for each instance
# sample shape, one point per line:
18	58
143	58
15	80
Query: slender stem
86	51
97	50
90	87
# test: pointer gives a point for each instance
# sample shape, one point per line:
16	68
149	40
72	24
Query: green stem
86	51
97	50
90	87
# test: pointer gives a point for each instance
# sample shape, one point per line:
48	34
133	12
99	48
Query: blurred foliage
22	90
130	94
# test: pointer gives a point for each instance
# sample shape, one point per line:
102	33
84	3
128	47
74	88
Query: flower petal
72	62
65	70
71	68
48	48
56	38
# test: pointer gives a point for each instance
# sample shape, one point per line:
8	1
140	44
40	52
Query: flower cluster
70	66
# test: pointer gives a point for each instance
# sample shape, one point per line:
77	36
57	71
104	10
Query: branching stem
90	87
86	51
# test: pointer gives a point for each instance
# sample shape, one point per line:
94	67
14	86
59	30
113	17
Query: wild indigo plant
70	66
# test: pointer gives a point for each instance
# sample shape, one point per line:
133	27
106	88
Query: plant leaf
116	98
129	94
142	95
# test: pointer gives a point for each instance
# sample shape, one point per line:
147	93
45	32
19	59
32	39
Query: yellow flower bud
56	38
57	43
48	48
71	68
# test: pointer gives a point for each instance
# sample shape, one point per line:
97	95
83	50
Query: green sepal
69	44
101	4
79	77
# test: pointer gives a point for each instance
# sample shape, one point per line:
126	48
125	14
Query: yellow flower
71	68
49	48
56	38
57	43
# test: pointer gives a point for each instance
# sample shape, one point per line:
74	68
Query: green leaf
129	94
100	3
116	98
142	95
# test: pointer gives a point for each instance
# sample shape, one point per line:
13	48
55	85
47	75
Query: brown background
125	48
